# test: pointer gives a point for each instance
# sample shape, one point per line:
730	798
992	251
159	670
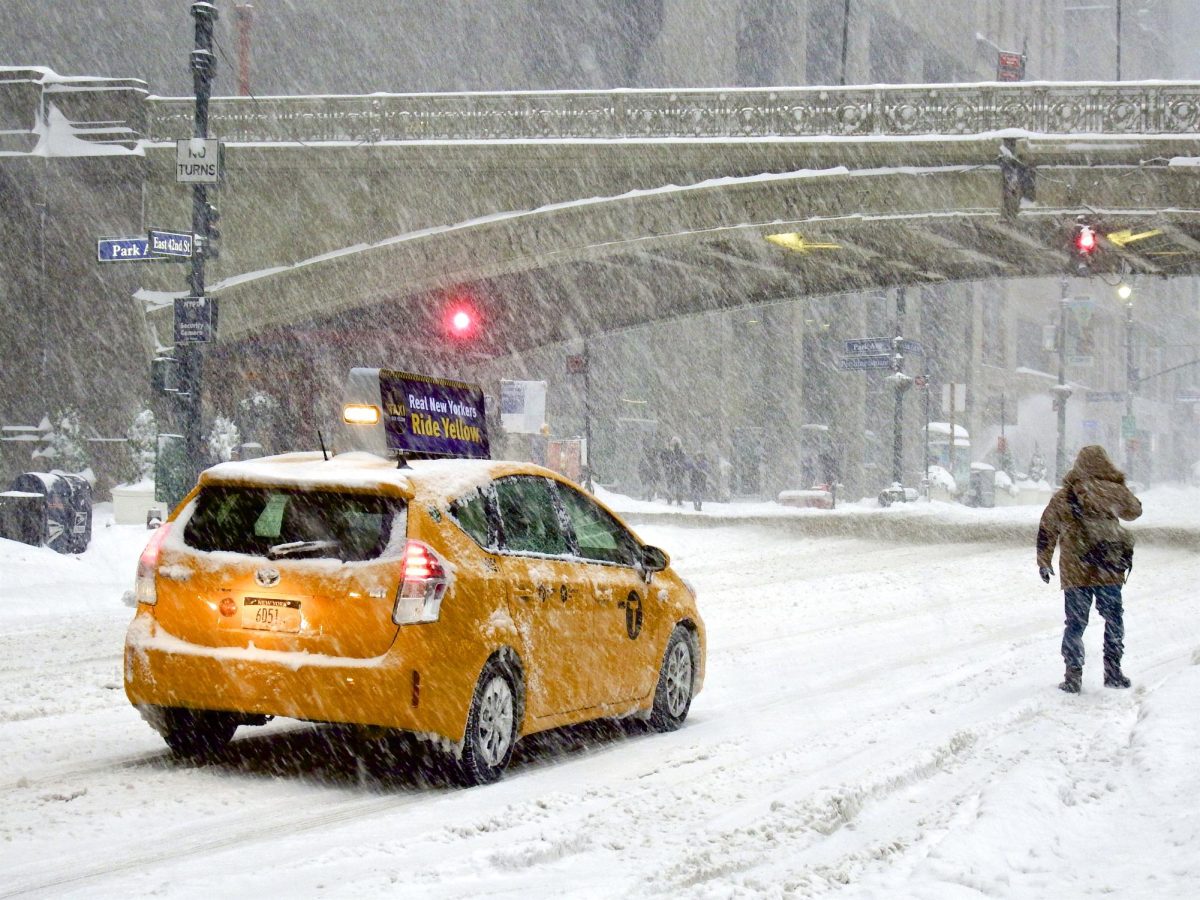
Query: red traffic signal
1085	240
461	321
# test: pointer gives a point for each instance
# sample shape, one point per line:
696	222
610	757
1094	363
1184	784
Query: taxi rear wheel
196	732
491	727
676	681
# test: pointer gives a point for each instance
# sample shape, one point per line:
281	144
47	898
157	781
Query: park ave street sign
124	250
869	346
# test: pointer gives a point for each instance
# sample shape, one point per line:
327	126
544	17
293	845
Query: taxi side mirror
653	559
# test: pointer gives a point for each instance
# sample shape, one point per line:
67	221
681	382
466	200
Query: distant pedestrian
648	472
674	471
698	477
1094	556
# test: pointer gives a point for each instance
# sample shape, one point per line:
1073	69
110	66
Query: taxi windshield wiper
300	548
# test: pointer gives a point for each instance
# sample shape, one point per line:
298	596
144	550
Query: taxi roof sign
422	415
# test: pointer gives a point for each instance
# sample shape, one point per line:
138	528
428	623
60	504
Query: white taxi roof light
360	414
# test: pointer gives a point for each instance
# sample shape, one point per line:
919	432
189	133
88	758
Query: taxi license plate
270	614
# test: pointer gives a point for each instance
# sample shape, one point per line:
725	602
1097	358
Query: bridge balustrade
901	111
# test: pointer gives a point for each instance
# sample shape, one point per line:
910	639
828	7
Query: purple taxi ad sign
433	416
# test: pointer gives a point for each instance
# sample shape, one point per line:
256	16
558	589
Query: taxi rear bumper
399	689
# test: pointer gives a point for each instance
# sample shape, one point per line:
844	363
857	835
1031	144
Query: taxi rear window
293	524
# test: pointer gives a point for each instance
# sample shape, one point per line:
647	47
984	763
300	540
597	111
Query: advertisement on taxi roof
433	415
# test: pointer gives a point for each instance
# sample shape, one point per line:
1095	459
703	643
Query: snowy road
879	720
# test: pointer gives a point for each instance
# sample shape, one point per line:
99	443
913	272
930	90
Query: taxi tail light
143	587
423	584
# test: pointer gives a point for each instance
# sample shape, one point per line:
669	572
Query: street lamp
1125	292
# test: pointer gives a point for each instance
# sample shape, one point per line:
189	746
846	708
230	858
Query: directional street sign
171	243
1104	396
875	361
124	250
863	346
1128	427
195	320
867	346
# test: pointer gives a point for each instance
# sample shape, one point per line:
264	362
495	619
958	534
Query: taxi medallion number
270	614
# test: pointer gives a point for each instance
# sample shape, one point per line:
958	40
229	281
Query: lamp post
845	38
1125	292
1061	391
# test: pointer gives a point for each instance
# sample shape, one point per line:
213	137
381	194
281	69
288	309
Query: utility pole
1130	380
845	39
902	384
1118	40
1061	391
191	356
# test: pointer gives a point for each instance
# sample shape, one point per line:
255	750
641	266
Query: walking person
648	472
1094	556
674	471
698	477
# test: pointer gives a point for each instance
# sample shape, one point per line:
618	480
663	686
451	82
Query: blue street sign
124	250
864	346
1104	396
868	346
877	361
171	243
195	319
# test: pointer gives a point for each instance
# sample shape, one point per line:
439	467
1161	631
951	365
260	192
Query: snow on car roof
364	471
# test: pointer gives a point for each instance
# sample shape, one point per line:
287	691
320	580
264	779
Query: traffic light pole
1061	391
1130	382
191	356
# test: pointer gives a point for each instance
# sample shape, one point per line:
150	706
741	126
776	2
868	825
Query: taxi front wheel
491	727
676	680
196	732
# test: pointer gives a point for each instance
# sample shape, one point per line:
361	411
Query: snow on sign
433	416
198	161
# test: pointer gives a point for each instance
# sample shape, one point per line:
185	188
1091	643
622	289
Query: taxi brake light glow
360	414
144	588
423	583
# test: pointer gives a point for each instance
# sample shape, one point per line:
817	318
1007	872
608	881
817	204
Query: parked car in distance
470	602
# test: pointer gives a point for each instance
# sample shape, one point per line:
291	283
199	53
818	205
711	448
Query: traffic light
1085	240
1085	245
462	322
211	233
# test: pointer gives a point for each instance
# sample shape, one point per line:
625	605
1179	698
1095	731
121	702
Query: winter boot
1113	677
1073	680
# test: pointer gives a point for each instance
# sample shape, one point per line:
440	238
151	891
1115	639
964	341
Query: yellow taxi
468	601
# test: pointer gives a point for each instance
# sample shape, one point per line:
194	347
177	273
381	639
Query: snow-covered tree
143	445
1037	465
64	442
257	417
223	439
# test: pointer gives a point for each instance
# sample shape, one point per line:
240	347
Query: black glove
1045	572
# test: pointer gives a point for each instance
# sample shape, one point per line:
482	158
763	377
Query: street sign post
198	161
172	243
124	250
195	319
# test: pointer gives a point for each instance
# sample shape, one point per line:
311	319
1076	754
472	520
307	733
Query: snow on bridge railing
1122	108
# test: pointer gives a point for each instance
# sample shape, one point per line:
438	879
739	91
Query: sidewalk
1171	516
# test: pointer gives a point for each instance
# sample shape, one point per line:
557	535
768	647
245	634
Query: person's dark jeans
1078	602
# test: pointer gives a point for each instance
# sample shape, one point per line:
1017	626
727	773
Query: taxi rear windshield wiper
300	548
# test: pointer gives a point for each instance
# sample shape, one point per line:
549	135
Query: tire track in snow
206	840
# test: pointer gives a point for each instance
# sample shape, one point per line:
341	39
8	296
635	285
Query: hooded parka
1095	489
